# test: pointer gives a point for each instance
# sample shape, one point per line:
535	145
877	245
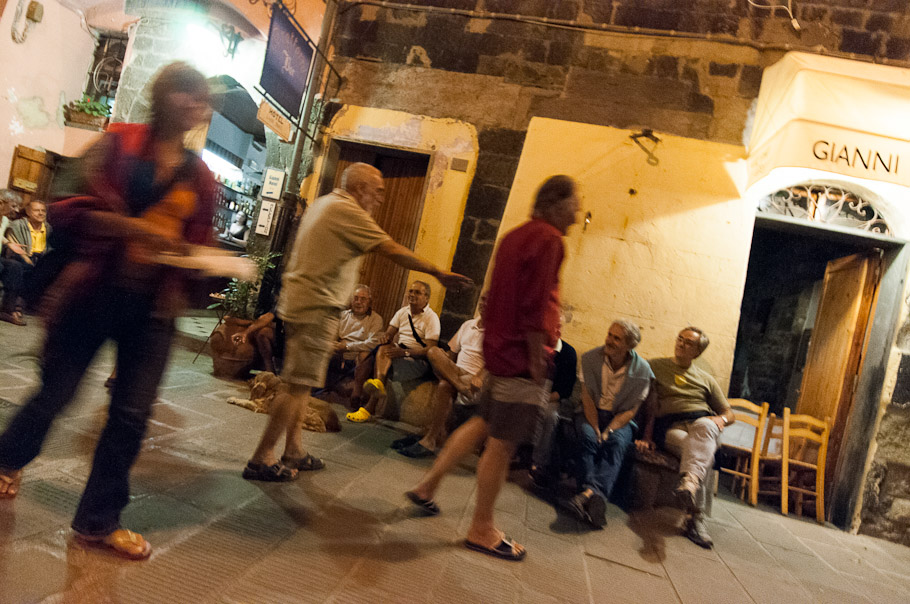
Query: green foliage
240	297
92	107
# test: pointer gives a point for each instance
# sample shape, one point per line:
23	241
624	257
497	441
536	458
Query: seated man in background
11	271
687	416
359	329
31	233
461	377
564	374
615	382
416	328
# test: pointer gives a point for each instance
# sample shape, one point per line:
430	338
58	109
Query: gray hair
365	288
14	198
633	333
425	285
358	174
702	338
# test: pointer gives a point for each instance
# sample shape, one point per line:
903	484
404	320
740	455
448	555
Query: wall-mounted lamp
648	134
231	38
587	222
33	15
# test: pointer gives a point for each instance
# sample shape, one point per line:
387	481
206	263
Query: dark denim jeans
12	275
600	463
143	342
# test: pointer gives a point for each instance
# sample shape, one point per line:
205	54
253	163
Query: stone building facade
690	68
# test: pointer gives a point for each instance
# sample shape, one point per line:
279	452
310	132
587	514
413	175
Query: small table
219	310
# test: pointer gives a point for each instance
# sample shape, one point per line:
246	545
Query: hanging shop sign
276	122
288	57
272	182
264	223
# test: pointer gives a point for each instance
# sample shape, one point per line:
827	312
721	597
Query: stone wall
498	73
686	67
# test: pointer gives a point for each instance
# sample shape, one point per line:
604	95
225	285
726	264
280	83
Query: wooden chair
803	447
745	469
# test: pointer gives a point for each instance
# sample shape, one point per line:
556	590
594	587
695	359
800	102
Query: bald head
364	183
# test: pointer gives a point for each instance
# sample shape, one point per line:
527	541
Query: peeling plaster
34	115
418	56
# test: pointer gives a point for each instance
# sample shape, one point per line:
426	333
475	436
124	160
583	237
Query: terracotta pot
231	360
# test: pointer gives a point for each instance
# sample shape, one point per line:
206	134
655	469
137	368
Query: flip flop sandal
273	473
12	481
428	506
122	542
504	550
406	441
416	451
307	463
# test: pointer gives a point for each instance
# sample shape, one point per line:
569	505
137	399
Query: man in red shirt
522	323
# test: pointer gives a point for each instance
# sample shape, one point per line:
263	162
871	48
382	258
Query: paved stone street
346	534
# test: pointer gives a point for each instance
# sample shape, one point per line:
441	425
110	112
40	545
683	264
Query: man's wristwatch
724	419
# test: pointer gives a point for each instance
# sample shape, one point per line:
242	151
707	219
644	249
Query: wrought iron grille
827	204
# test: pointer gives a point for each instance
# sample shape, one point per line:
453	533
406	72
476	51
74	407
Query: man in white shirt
462	376
359	329
414	330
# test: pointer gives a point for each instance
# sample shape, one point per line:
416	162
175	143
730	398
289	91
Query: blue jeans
601	462
143	342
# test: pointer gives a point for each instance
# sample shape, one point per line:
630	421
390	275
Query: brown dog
266	387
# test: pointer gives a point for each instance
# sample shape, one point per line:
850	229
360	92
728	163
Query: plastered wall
447	189
667	245
37	77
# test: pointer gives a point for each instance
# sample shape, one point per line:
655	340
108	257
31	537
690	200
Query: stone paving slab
346	534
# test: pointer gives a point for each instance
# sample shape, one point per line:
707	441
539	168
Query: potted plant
87	112
238	301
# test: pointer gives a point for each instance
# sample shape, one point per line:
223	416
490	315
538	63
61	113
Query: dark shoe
697	532
406	441
578	506
597	511
416	451
685	492
307	463
273	473
428	506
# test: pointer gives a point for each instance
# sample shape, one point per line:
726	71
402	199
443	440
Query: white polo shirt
467	343
426	322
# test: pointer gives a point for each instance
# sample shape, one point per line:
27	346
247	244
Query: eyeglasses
686	342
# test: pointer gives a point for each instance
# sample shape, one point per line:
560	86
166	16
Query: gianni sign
862	159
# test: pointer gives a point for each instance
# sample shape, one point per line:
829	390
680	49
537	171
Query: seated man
564	375
462	377
416	327
263	332
10	270
615	382
31	233
687	416
359	329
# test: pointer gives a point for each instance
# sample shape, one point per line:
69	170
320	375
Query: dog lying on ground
266	388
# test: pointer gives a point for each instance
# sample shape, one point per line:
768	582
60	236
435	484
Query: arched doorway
819	253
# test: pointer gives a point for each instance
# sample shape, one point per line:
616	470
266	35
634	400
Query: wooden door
31	172
837	344
399	216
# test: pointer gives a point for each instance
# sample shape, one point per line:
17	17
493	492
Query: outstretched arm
402	256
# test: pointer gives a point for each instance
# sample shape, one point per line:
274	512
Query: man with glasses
417	328
688	415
